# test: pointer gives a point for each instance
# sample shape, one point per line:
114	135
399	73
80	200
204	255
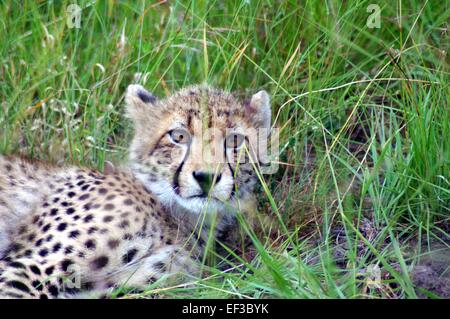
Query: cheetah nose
206	180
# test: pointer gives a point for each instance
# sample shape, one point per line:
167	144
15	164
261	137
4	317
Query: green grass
364	117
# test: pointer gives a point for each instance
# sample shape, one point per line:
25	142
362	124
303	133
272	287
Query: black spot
128	202
71	194
62	226
84	187
99	262
70	211
71	291
35	270
92	230
22	229
124	224
16	264
37	285
65	264
53	290
46	228
22	274
83	197
74	234
43	296
127	237
68	250
113	243
129	256
108	218
7	259
43	252
109	207
56	247
88	218
160	266
16	247
49	270
102	191
90	244
18	285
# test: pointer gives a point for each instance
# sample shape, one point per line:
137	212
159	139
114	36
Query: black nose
206	180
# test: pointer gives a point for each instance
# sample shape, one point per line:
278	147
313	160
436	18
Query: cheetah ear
138	100
258	110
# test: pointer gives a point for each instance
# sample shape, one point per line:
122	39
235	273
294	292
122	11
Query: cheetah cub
71	231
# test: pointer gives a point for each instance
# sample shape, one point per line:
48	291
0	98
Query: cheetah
71	231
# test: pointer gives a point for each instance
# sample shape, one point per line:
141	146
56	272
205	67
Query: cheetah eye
234	140
180	136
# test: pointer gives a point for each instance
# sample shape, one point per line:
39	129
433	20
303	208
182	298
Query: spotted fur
65	231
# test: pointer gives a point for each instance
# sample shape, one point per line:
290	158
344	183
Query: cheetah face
198	148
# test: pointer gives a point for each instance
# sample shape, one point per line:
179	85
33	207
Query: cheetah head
197	149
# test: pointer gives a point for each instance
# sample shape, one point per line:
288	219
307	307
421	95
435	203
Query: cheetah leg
169	261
